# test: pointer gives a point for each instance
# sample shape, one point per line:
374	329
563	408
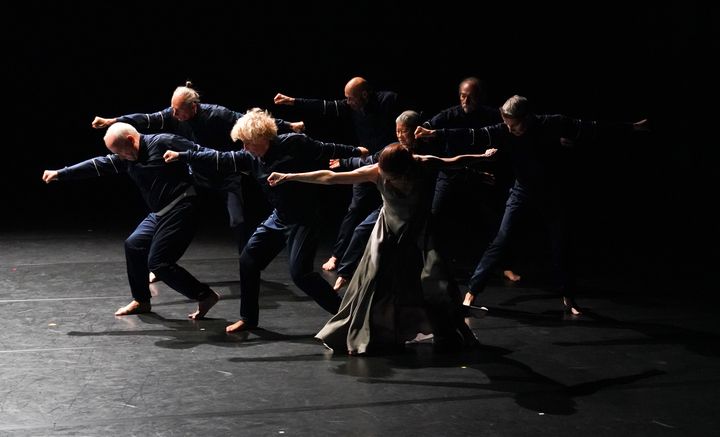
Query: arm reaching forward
326	177
458	161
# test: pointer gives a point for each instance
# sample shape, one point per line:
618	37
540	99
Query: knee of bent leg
160	269
132	244
247	262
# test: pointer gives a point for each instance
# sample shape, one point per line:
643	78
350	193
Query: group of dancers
404	221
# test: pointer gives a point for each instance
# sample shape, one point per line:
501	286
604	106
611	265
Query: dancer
208	125
163	236
296	219
372	114
401	286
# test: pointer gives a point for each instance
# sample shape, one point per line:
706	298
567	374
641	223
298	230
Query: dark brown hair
395	159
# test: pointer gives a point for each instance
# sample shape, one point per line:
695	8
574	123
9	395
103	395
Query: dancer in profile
163	236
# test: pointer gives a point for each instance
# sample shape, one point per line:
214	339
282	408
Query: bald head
357	93
472	93
123	140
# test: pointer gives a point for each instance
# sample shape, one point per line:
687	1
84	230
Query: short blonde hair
254	125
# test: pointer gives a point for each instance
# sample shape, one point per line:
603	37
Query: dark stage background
643	204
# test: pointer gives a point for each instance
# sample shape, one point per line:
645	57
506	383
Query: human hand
171	156
298	126
282	99
99	122
421	132
276	178
50	176
642	125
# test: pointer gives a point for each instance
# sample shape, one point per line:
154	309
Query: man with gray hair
162	237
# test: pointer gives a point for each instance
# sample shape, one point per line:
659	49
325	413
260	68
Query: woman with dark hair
401	286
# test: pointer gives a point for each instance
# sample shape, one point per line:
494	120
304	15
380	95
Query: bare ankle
204	305
134	307
340	282
469	298
238	326
511	276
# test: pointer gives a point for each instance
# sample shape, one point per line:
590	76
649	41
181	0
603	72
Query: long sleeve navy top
535	155
455	117
159	183
288	153
374	125
210	127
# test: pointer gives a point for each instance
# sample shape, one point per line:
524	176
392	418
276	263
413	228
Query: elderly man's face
182	110
516	126
123	148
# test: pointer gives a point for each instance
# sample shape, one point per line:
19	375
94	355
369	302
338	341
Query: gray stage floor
639	364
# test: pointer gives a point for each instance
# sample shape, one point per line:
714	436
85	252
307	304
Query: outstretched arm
330	108
326	177
459	161
160	121
94	167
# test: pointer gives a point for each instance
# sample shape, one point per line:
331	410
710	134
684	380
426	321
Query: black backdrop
644	202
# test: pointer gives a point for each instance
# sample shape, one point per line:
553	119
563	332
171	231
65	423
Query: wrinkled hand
490	152
421	132
49	176
276	178
171	156
282	99
99	122
334	163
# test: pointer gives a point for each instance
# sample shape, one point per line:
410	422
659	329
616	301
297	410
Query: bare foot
511	276
238	326
469	298
152	278
329	265
205	305
340	282
570	306
134	307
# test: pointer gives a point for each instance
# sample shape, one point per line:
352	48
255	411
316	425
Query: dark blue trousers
156	245
235	208
356	248
365	199
555	214
264	245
